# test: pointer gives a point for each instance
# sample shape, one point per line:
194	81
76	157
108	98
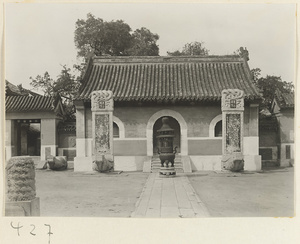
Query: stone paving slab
142	203
169	198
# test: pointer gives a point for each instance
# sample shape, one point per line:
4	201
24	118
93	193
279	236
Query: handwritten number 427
18	227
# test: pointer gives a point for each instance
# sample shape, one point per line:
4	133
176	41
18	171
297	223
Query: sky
40	37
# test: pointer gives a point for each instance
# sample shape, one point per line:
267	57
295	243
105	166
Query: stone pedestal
20	188
102	127
23	208
167	172
233	126
58	163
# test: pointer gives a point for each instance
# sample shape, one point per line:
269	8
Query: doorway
174	125
28	137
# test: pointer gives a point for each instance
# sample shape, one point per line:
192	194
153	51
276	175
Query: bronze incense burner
166	152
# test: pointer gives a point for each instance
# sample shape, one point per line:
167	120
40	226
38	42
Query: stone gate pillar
102	128
233	127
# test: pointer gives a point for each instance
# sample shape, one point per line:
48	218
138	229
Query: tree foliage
94	36
144	43
192	48
65	86
268	85
256	73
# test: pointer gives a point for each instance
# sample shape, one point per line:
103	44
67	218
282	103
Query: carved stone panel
102	101
102	134
232	100
233	133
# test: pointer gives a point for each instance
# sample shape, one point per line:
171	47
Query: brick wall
205	147
198	119
135	119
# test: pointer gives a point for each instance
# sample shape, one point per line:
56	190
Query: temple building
185	89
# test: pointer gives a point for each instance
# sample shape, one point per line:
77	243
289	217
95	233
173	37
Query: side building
31	123
283	108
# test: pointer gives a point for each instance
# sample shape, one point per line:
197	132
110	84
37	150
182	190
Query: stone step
157	170
157	157
158	161
175	165
156	164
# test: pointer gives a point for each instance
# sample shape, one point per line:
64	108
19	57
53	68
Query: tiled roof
188	78
12	90
284	99
29	103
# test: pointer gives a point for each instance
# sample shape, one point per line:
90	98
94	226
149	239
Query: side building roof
29	103
284	99
12	90
22	100
185	78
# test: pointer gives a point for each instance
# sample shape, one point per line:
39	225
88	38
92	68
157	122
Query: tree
268	85
255	74
144	43
65	86
193	48
94	36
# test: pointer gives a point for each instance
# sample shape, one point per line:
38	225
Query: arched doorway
174	125
183	130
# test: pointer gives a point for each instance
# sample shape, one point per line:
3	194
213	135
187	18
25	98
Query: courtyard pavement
269	193
169	198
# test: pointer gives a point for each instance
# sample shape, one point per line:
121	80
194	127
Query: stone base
83	164
286	163
252	162
199	163
103	165
167	172
130	163
186	164
23	208
233	162
58	163
147	165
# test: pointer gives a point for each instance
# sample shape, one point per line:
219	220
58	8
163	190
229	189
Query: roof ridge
166	59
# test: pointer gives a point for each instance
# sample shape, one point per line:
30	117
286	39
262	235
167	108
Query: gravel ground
269	193
69	193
